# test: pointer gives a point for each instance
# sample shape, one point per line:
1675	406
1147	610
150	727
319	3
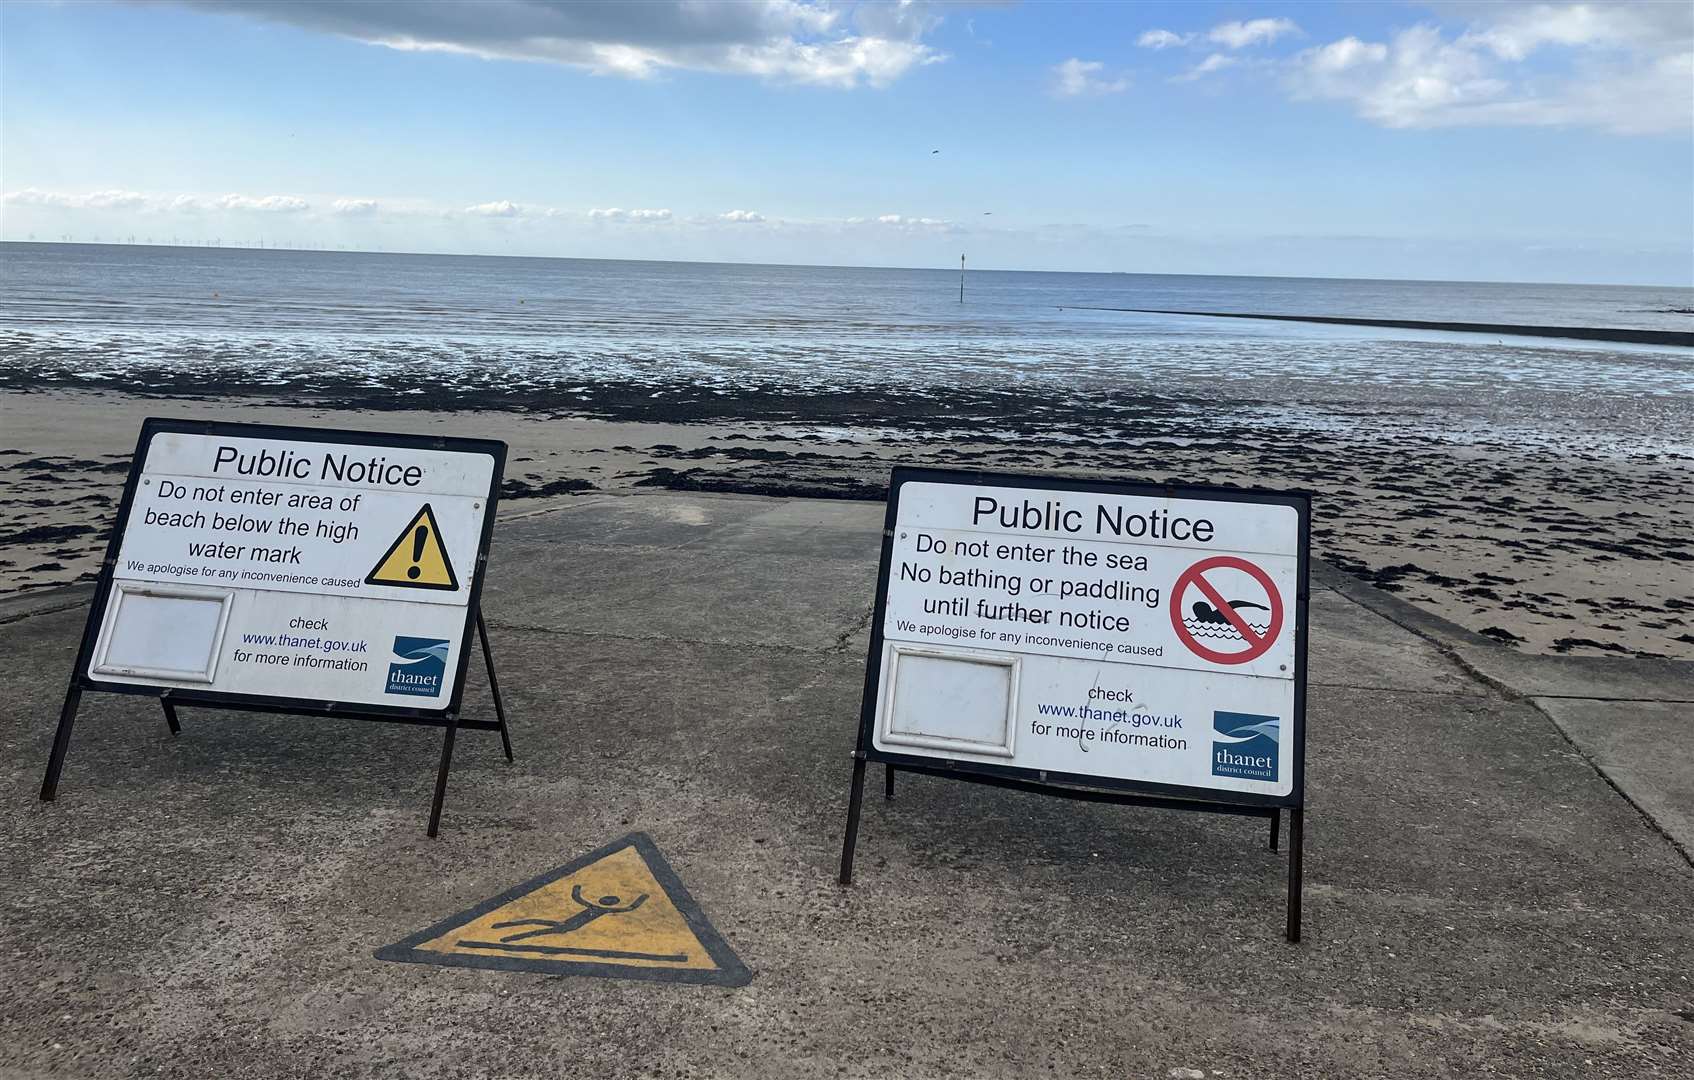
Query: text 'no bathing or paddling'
417	559
619	912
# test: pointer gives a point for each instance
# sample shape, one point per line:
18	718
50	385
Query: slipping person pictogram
591	910
618	912
610	904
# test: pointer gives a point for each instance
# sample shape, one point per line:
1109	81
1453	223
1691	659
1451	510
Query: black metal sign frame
447	716
1082	786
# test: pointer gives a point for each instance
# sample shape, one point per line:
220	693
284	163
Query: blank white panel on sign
951	701
163	632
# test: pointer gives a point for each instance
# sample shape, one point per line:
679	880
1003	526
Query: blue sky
1514	142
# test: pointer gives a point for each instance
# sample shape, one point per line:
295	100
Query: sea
302	323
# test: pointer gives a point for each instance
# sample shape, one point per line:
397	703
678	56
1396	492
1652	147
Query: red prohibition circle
1256	646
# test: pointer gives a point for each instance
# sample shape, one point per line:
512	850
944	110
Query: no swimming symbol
1203	615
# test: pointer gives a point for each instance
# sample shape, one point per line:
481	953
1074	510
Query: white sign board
1081	630
298	569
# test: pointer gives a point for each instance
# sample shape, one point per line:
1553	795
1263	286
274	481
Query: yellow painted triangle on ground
618	912
587	917
417	558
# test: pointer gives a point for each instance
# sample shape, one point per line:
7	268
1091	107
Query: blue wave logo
1246	745
421	667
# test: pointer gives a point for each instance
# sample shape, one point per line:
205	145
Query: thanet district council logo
1245	745
421	667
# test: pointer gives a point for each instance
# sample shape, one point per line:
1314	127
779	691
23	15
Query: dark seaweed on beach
740	484
519	489
44	534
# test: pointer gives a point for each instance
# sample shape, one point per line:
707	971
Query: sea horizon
943	269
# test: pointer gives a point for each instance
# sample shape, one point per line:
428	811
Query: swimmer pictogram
1226	630
1206	616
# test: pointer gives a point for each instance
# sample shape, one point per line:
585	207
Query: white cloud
1239	35
912	224
94	200
354	207
742	216
1622	69
502	208
1231	35
1344	55
1162	39
802	41
1214	62
233	203
618	214
116	199
1520	30
1076	78
903	20
842	64
263	204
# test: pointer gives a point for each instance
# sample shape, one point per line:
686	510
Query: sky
1518	142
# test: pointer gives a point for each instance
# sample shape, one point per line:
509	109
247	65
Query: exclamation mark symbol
418	538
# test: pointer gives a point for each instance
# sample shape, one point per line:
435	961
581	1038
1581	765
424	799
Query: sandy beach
1578	553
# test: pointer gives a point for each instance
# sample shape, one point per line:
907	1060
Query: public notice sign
1106	634
323	569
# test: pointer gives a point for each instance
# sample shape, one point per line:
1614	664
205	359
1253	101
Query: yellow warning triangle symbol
619	912
417	559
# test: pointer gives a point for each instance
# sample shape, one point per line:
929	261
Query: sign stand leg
1296	845
1276	827
493	683
61	744
854	802
441	776
170	715
888	783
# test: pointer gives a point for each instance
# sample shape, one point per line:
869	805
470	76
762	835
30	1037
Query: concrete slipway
1498	874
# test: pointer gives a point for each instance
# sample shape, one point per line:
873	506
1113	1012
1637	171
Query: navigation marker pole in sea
961	279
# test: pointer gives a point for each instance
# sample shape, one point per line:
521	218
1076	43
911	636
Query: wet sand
1579	553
